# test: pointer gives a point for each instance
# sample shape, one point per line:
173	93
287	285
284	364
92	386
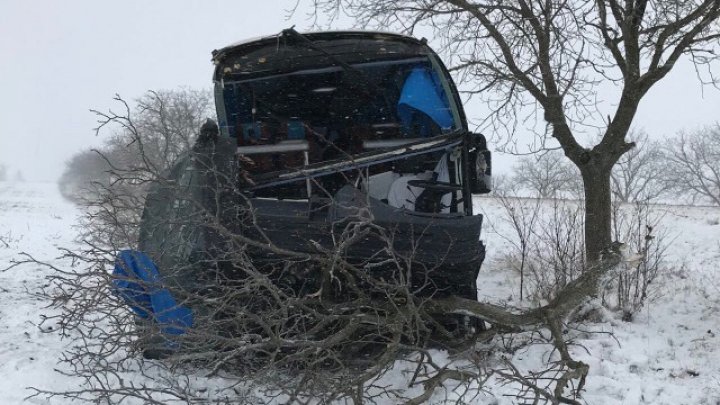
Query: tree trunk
598	209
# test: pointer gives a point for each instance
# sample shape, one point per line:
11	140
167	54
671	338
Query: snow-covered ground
35	219
668	355
670	352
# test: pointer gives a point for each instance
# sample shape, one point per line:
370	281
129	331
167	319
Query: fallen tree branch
570	297
552	316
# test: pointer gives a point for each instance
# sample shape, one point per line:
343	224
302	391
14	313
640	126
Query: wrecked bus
314	130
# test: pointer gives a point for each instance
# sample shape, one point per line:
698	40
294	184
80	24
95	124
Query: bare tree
637	176
641	228
552	55
149	136
692	166
546	243
3	172
547	175
521	215
165	123
81	171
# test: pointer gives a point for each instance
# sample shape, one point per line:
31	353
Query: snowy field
35	219
668	355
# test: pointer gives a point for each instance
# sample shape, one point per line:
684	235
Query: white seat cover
401	195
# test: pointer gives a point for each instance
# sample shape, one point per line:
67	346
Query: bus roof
219	54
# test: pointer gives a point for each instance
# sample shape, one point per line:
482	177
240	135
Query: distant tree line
682	168
5	174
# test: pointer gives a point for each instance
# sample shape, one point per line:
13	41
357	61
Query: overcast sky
58	59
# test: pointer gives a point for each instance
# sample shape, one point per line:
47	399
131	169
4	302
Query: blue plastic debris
138	282
423	92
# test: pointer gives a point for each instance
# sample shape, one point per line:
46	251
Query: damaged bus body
318	130
329	123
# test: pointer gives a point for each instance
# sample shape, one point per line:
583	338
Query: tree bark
598	208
